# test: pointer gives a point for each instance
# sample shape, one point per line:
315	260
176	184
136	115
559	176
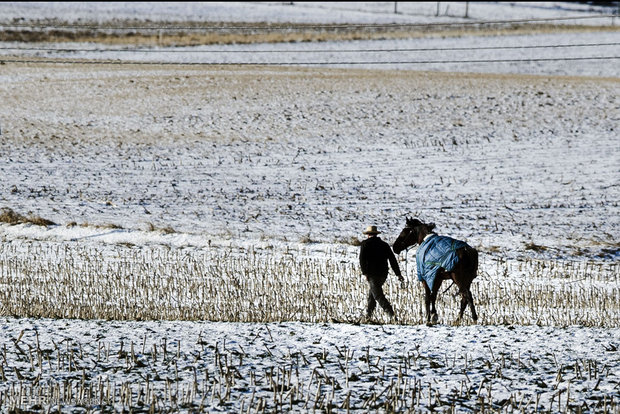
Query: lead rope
406	262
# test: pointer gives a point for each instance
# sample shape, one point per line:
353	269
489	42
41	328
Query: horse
442	258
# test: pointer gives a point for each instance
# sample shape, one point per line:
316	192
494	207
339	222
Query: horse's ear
430	226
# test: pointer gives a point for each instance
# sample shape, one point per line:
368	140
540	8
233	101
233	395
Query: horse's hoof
429	323
435	318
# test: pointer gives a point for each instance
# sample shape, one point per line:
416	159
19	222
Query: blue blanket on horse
435	252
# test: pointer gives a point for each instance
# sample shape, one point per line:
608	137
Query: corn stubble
228	284
232	284
158	375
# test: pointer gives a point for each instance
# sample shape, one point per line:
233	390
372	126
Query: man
374	257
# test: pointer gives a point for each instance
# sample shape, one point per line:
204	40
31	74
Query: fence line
336	63
393	50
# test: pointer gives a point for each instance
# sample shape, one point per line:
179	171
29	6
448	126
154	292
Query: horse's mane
416	223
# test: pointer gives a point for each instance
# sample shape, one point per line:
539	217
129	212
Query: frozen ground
297	12
584	52
522	162
295	155
300	367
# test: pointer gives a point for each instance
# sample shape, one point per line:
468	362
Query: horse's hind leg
467	299
470	300
463	305
434	316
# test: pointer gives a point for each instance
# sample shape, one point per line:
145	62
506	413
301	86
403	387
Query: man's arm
364	259
394	263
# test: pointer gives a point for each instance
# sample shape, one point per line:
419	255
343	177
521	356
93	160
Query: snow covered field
163	171
230	367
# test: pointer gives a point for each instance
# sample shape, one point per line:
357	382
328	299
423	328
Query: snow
298	12
291	160
297	160
452	361
431	54
535	55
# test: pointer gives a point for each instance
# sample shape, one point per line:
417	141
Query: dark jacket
374	257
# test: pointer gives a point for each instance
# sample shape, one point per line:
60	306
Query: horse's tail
474	268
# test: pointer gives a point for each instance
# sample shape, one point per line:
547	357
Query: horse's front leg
427	302
434	316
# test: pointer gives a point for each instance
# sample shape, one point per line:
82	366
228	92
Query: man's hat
371	230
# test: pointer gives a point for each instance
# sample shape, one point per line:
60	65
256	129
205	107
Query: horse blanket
436	252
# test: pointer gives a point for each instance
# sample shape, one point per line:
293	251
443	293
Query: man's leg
372	303
376	291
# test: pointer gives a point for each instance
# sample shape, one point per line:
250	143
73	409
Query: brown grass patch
535	247
9	216
212	33
492	249
40	221
353	241
164	230
110	226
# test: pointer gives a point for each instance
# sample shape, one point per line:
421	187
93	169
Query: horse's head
413	233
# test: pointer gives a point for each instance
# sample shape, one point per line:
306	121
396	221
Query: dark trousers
376	295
